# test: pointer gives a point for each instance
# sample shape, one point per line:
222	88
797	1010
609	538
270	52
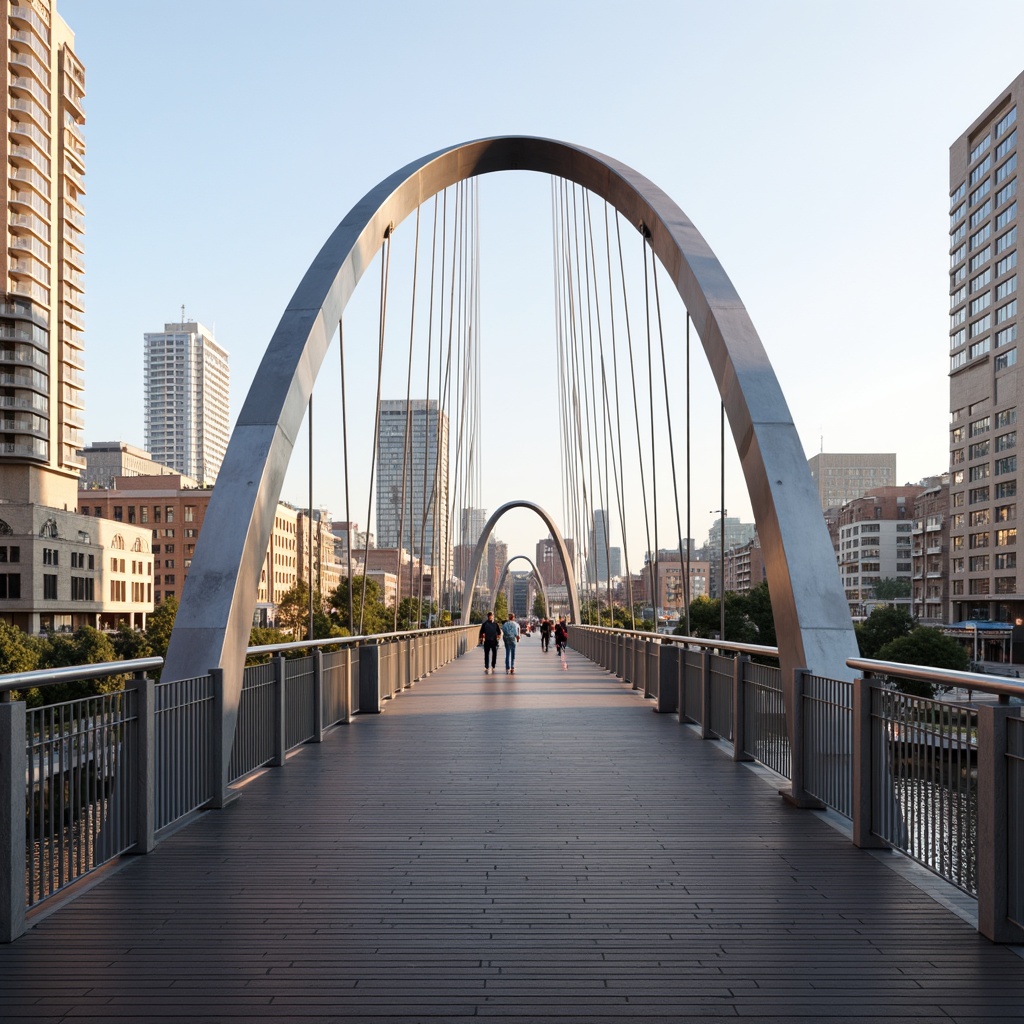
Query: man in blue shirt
510	634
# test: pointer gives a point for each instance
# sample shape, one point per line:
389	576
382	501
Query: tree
924	646
86	646
375	617
883	625
540	607
130	643
160	624
293	611
890	588
501	606
19	652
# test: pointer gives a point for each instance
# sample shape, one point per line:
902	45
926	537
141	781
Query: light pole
721	572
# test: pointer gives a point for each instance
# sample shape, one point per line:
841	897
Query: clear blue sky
808	141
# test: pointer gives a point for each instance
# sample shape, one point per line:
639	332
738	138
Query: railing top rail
377	638
74	673
700	641
943	676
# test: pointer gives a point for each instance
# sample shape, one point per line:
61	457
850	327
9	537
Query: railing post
668	680
863	766
993	838
13	804
145	770
369	679
739	708
797	795
705	694
221	752
318	695
280	711
346	682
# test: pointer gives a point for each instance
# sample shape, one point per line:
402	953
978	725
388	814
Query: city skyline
815	287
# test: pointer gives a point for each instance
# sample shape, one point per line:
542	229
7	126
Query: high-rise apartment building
841	477
603	561
414	436
41	316
187	399
985	385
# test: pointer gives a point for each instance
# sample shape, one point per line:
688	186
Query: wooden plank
537	847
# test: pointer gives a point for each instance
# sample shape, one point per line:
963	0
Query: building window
190	513
1006	560
1006	585
1004	442
1006	538
978	494
82	588
1007	359
1006	489
978	563
979	586
979	450
10	586
978	540
49	587
982	517
979	472
1007	465
51	556
1006	513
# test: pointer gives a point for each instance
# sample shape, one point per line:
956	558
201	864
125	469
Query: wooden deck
538	847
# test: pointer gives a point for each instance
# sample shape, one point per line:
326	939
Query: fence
85	781
940	780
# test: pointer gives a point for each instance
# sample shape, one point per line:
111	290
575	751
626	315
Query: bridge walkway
539	847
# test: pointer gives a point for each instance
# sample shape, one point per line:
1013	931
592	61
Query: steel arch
811	615
481	546
534	572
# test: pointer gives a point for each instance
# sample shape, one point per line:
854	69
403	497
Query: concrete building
41	315
603	561
106	460
172	515
744	567
549	565
315	551
985	383
737	534
842	477
186	387
60	570
414	436
875	542
931	553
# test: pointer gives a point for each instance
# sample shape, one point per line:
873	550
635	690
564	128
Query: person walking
510	634
561	636
545	634
489	631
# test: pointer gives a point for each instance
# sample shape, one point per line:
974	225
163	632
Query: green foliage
130	643
883	625
540	606
160	624
86	646
262	636
748	618
412	614
501	607
924	646
890	588
375	617
19	652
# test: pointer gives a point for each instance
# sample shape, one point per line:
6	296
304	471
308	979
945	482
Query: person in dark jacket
489	633
545	633
561	635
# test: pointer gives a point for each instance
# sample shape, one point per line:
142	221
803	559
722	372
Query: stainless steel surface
219	597
503	575
481	548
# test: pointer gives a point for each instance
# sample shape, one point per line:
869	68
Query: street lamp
721	573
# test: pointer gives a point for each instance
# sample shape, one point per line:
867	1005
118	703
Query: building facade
840	478
106	460
413	436
41	316
875	543
172	516
186	388
985	385
931	554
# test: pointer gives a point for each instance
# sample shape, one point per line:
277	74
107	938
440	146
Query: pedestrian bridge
531	847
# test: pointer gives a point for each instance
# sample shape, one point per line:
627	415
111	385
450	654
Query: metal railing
105	775
940	780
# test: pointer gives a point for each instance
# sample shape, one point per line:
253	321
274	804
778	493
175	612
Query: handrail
700	641
74	673
943	676
302	645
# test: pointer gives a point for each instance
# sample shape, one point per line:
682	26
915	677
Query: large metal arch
534	572
811	615
481	548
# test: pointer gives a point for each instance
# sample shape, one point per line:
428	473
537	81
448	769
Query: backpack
508	631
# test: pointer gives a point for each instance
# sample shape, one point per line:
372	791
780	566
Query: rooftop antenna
183	313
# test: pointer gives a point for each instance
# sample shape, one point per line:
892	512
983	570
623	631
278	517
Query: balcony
22	198
27	130
20	14
31	109
29	449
